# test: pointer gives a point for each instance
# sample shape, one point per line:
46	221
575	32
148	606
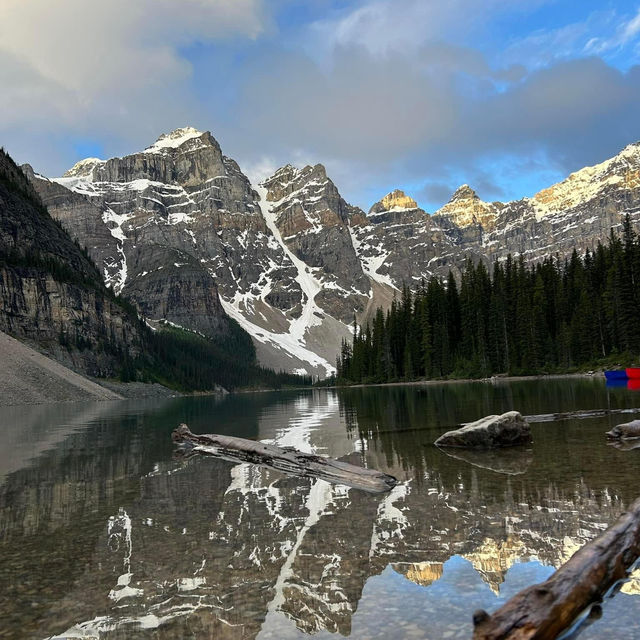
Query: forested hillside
549	317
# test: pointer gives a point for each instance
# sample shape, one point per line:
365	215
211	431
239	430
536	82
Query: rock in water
505	430
625	430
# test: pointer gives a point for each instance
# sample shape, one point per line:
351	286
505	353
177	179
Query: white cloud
88	47
625	32
405	26
114	64
631	29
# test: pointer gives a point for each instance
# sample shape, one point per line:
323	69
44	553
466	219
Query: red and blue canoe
633	373
616	374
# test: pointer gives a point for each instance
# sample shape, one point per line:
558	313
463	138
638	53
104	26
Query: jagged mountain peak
464	192
395	200
620	171
631	149
185	157
465	209
290	179
290	172
166	143
282	175
83	168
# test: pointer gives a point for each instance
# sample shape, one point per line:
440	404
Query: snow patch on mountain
371	259
118	279
84	168
305	278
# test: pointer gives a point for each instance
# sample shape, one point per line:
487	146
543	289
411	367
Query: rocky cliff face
576	213
313	221
178	223
400	244
171	227
51	294
179	229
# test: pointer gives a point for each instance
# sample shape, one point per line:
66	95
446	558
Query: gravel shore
29	377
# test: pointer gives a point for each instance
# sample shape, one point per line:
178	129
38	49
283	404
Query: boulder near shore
625	430
506	430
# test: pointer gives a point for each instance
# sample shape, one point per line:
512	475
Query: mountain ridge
178	224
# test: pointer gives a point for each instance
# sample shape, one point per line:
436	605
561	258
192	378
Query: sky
508	96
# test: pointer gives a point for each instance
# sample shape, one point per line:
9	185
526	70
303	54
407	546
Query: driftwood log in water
577	415
286	460
545	610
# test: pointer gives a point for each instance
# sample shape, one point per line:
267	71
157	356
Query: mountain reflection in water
104	534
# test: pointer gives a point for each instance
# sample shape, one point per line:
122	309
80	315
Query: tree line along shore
555	316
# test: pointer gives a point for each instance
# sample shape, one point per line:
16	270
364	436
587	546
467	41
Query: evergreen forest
518	319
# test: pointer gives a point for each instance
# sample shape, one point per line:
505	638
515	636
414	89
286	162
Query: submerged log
510	461
578	415
286	460
545	610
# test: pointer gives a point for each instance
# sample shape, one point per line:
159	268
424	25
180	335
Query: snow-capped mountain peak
174	139
83	168
463	192
621	171
465	209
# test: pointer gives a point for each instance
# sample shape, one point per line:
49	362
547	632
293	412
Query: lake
105	533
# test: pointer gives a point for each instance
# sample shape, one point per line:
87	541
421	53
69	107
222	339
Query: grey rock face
401	246
171	227
505	430
82	218
313	221
199	159
50	292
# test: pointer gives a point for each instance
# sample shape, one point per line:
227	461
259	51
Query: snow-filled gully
294	340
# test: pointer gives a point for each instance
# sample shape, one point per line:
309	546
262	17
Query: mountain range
180	230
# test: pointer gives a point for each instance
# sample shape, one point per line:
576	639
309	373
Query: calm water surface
104	534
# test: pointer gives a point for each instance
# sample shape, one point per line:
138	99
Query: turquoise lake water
105	533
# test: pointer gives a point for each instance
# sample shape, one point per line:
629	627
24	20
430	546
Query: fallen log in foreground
286	460
545	610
